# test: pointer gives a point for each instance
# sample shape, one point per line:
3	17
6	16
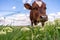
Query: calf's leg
42	24
35	22
31	23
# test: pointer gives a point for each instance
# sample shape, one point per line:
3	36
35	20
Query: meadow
51	31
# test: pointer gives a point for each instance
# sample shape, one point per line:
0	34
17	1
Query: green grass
49	32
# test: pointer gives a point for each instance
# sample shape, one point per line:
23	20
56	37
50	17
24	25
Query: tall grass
51	31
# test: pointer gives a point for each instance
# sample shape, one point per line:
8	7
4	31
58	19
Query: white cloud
14	7
29	1
53	16
24	8
26	1
22	19
17	19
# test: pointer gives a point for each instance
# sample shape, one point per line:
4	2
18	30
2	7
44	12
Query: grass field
51	31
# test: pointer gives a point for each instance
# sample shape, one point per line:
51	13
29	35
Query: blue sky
9	7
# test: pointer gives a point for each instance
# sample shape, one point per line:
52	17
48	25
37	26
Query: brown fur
36	12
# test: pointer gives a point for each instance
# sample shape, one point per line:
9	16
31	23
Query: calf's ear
28	6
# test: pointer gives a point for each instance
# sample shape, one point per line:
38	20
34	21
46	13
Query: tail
28	6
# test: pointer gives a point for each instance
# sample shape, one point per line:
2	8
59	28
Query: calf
37	13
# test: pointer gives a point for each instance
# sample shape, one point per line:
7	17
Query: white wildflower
25	29
49	23
37	36
7	29
42	29
58	27
2	32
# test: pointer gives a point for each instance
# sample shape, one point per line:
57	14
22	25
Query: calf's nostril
41	17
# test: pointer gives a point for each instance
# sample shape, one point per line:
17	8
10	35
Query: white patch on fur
39	3
44	16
